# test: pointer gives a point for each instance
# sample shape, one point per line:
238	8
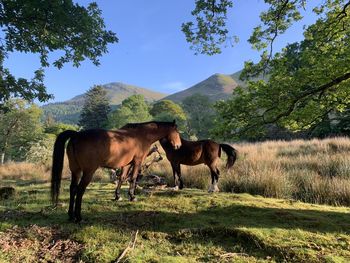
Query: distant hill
69	111
216	87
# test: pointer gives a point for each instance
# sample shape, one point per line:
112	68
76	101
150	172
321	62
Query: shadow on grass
233	215
220	226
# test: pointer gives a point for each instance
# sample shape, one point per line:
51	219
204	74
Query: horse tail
231	154
57	163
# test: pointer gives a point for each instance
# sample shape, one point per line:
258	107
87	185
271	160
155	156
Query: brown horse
87	150
197	152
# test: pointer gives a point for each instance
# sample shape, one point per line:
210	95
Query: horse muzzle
177	146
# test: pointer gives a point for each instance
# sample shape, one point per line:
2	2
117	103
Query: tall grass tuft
24	171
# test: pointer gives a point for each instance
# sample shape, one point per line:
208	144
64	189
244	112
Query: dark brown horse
90	149
197	152
128	170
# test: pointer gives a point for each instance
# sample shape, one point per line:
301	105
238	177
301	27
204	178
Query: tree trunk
2	158
3	150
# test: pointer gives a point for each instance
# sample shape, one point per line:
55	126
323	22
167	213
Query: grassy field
240	224
185	226
315	171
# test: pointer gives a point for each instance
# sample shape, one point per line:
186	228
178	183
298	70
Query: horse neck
155	134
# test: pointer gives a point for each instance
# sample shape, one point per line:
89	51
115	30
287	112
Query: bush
41	151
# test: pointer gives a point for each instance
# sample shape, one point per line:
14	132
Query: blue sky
152	51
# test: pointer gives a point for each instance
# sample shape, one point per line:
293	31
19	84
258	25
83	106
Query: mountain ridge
69	111
216	87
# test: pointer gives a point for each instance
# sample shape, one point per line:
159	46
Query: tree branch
291	107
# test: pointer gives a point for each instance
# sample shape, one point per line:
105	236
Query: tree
58	127
305	82
209	32
42	27
200	115
132	109
19	126
96	109
167	110
336	124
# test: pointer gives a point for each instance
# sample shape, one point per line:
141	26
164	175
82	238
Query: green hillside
69	111
216	87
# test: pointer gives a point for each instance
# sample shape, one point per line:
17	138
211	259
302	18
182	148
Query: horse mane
142	124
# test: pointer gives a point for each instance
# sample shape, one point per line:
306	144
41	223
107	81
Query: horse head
174	136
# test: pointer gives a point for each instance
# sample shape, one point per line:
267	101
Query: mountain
69	111
117	92
216	87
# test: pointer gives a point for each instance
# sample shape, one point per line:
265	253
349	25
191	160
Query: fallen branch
229	255
130	246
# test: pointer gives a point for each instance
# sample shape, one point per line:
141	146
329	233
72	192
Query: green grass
185	226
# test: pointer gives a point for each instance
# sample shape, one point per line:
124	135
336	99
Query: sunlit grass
184	226
316	171
192	225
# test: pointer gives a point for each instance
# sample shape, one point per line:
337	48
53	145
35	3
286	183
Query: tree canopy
304	83
42	27
133	109
19	126
200	115
167	110
169	107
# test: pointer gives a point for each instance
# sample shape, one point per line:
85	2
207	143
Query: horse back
101	148
211	150
193	152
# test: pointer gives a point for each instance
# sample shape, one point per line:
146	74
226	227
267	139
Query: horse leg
72	192
216	188
84	182
181	183
121	179
132	186
175	172
214	172
210	189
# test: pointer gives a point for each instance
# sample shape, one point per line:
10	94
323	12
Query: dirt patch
39	244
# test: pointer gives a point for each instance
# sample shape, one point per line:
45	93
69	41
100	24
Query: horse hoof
133	199
216	189
213	189
118	199
176	188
